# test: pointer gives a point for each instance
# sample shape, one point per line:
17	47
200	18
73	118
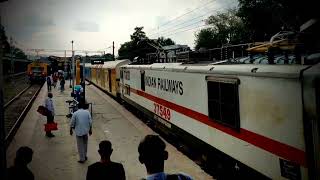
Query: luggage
43	110
50	127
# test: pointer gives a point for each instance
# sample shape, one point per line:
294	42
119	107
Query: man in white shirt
81	122
152	154
50	117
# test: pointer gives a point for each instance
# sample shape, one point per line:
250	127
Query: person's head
23	155
86	106
81	105
152	153
50	95
105	149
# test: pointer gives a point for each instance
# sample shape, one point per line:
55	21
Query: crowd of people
52	80
151	151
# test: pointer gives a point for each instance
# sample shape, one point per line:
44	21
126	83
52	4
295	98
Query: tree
126	50
224	28
137	47
165	41
4	38
6	45
108	57
19	53
138	34
206	39
264	18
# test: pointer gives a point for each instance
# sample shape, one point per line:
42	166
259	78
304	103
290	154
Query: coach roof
284	71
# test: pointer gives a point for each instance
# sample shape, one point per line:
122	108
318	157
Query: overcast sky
94	24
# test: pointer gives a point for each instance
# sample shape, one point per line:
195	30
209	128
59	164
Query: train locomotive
250	120
37	71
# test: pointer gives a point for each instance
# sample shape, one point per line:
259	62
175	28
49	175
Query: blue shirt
49	105
163	176
81	122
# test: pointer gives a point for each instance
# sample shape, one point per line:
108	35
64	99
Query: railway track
16	109
13	85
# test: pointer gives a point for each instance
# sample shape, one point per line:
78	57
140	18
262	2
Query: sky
94	24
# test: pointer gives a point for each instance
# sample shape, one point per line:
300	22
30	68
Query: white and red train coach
259	118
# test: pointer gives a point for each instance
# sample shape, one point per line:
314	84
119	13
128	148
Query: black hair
105	148
23	155
151	146
81	105
50	95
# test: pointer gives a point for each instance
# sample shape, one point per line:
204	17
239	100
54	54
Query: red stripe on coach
280	149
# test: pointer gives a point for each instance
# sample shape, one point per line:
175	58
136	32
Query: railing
216	54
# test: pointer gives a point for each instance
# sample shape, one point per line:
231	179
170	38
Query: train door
121	80
311	103
109	74
143	86
103	78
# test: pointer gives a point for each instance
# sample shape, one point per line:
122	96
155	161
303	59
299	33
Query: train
245	119
37	71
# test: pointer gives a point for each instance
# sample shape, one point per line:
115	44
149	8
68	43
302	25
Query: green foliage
108	57
264	18
225	28
138	35
4	40
165	41
255	20
125	51
19	53
132	48
139	45
6	46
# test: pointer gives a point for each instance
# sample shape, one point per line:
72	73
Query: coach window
223	101
143	86
121	74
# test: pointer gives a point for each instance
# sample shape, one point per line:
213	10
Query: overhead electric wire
163	32
178	17
197	22
187	30
179	24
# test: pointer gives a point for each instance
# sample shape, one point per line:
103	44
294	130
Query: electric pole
113	51
72	67
84	78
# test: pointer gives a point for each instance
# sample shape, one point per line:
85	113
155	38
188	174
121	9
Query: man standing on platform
152	154
81	122
62	82
49	82
50	116
105	168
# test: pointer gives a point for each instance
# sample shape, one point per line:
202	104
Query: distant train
37	71
245	120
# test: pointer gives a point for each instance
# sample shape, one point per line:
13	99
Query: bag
174	177
50	127
43	110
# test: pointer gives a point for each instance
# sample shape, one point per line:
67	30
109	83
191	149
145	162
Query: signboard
97	61
290	170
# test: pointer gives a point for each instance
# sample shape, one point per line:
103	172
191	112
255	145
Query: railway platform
56	158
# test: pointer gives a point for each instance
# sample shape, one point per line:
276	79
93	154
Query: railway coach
106	76
249	120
